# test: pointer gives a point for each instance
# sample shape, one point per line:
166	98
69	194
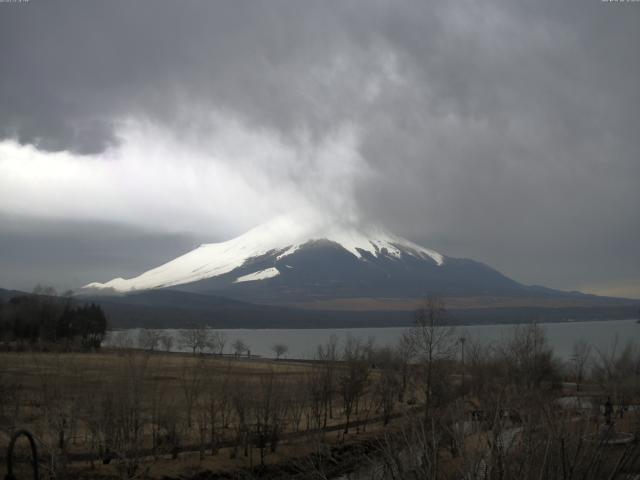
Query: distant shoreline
409	325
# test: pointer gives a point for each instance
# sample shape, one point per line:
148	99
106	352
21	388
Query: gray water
302	343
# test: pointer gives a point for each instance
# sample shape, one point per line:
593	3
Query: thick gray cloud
502	131
67	254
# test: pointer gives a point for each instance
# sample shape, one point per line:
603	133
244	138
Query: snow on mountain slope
282	236
260	275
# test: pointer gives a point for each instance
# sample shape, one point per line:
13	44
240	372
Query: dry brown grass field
411	304
130	413
139	399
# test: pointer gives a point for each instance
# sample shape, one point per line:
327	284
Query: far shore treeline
44	319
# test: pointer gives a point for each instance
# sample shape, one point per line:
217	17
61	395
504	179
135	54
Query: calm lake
302	343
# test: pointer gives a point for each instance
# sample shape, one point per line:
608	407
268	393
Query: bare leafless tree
149	339
194	339
579	363
59	406
167	342
170	428
352	377
122	414
386	383
529	357
327	355
217	342
11	401
239	347
192	382
279	349
298	399
218	406
317	392
617	371
433	342
241	398
268	412
403	355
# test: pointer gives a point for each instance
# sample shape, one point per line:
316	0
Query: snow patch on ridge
288	251
259	275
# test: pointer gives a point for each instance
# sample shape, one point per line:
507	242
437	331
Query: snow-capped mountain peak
282	237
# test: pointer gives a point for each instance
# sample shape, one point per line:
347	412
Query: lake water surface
302	343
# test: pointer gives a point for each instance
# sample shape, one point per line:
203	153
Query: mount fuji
292	273
286	261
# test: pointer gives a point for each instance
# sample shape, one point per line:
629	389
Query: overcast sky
503	131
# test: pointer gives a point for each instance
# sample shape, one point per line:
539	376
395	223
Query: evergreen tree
49	319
